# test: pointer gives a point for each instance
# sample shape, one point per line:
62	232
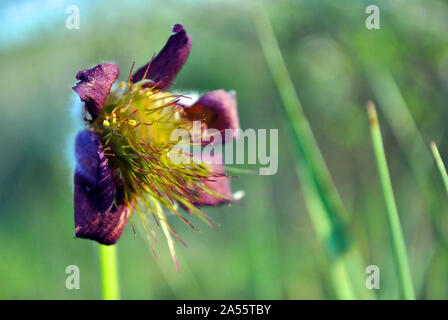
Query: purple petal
169	61
219	185
218	109
105	228
94	85
93	170
97	216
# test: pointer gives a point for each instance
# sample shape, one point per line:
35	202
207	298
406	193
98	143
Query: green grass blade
108	272
320	194
398	243
405	129
440	164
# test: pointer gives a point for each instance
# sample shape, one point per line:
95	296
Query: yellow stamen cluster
135	126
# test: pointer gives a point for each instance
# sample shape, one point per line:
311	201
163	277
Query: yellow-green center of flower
135	127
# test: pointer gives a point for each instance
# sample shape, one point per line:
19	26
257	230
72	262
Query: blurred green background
266	248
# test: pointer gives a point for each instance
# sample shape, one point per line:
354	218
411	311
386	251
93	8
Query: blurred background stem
418	157
320	194
108	272
440	164
398	243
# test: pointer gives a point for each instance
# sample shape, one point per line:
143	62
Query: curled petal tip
94	85
165	66
177	28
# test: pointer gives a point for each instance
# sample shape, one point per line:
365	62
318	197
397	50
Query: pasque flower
123	163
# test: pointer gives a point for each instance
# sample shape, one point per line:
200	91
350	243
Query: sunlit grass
398	243
321	196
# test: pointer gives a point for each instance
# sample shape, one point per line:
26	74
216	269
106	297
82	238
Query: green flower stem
108	272
320	194
440	164
398	243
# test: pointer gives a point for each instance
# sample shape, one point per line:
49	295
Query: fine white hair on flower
76	115
187	98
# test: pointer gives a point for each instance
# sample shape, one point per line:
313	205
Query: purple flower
123	165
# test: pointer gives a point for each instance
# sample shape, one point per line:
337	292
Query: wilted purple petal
169	61
94	85
106	228
97	217
218	109
93	170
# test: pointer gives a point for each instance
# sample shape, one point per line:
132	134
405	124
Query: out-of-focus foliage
266	248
